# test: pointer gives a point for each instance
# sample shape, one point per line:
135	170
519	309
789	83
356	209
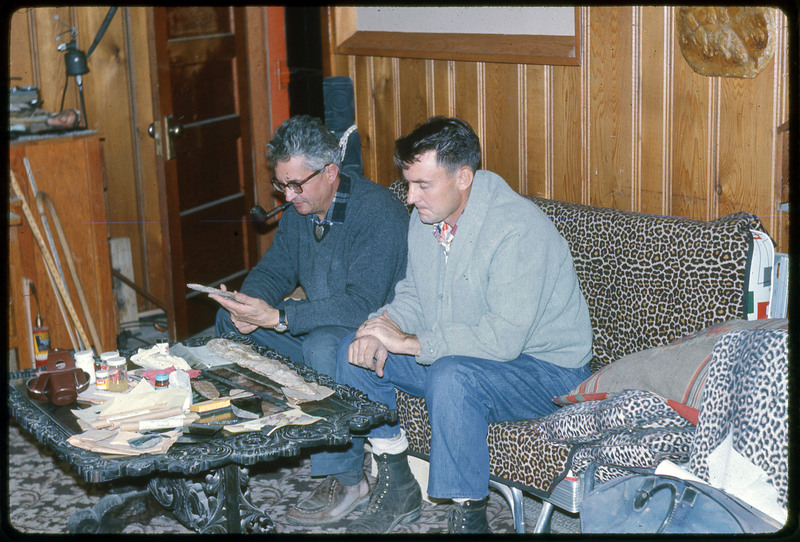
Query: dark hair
454	141
304	135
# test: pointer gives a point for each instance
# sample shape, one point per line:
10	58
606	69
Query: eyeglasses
296	186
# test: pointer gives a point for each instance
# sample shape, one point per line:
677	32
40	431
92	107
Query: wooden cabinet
70	170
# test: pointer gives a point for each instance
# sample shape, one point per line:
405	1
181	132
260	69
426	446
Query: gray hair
307	136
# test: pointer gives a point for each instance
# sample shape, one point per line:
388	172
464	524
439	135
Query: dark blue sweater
348	274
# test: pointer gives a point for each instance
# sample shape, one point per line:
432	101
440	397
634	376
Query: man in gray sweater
488	325
344	241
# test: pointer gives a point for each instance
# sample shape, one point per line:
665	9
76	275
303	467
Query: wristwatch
281	326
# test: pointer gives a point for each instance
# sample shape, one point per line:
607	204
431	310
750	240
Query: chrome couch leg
543	523
514	498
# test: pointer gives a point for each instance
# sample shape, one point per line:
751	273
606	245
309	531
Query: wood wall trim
515	49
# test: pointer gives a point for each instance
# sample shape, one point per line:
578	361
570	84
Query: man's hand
375	339
369	353
394	339
248	313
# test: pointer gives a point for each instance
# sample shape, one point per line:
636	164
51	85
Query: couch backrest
650	279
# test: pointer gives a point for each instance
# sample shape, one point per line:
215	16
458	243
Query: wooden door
205	170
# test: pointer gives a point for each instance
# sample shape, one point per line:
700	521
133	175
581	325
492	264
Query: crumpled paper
288	417
118	442
152	358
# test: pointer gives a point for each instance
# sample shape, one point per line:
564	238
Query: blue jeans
464	395
316	349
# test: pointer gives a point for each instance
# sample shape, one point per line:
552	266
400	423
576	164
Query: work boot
469	517
330	501
396	497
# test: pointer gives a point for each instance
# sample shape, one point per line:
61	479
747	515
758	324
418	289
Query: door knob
176	130
151	130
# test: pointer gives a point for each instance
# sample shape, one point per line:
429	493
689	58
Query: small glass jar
117	374
162	381
102	361
84	359
101	379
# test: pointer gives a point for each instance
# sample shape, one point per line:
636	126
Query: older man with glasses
343	241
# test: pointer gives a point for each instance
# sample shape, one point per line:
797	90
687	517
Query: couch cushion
650	279
677	371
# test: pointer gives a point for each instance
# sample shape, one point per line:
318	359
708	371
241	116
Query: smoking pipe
261	215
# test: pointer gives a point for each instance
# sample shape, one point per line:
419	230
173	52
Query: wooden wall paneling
691	126
413	93
746	148
247	181
263	126
502	141
468	96
567	180
442	88
50	61
611	104
360	71
780	233
110	111
656	96
386	113
21	62
539	148
149	263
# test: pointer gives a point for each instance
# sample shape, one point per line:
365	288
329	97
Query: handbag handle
647	490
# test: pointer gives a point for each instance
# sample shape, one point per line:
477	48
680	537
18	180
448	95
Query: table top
346	412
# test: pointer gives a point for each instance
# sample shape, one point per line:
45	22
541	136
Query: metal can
162	381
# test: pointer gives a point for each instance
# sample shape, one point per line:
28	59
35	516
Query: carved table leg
101	518
220	503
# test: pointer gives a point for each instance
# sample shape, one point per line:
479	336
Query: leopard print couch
648	280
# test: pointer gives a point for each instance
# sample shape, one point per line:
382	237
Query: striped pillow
677	371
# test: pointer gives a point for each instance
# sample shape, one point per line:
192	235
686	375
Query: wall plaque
726	41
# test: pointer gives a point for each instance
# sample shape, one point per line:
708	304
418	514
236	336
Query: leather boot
329	502
396	497
469	517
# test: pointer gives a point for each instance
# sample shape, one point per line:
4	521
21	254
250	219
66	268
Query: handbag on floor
649	503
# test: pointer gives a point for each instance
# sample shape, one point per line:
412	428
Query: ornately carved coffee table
204	484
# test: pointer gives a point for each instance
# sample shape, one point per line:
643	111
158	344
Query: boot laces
458	518
381	488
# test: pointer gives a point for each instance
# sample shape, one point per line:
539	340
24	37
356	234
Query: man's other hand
369	353
247	313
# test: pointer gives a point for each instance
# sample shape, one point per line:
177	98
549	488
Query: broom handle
48	260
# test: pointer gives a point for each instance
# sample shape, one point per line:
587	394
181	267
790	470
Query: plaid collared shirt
336	212
444	234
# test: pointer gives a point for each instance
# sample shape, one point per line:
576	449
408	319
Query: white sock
391	446
460	501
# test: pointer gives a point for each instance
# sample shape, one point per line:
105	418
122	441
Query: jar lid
162	377
109	354
81	353
116	362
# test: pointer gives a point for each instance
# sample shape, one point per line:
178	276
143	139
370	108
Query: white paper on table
144	395
151	358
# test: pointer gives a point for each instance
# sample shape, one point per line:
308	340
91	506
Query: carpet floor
43	493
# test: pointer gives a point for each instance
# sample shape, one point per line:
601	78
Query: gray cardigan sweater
351	272
508	287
